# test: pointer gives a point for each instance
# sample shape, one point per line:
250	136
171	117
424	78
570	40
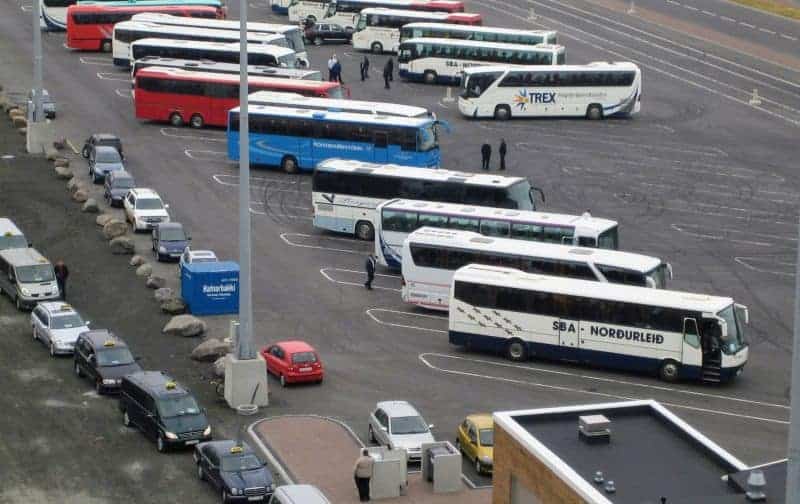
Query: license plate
192	442
257	498
305	369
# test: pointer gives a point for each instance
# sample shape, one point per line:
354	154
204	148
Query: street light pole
793	464
37	61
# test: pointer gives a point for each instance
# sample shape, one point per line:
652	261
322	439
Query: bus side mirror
536	190
743	313
669	270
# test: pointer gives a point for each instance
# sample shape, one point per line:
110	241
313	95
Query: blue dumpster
211	288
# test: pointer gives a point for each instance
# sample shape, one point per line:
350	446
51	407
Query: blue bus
298	139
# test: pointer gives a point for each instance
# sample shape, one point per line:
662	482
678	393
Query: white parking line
683	229
112	77
96	61
26	8
124	93
788	37
748	25
766	31
178	133
370	314
324	273
259	181
726	18
677	148
707	13
285	238
206	155
598	394
691	8
746	262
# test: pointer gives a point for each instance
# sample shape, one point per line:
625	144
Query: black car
104	359
102	139
116	187
324	32
234	469
163	410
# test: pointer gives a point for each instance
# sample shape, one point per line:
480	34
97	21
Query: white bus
292	33
257	54
127	32
431	255
396	219
479	33
345	12
297	101
678	335
346	192
378	29
593	91
225	68
434	60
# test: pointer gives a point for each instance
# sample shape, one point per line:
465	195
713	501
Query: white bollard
448	96
632	8
531	14
755	100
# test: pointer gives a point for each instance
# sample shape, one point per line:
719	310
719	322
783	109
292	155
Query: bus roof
478	29
338	116
218	24
480	44
495	275
434	3
149	3
462	16
220	67
585	220
277	51
469	240
159	29
393	170
276	82
294	100
596	65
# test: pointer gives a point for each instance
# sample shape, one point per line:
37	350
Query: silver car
57	325
398	425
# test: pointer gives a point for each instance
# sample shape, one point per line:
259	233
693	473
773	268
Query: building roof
651	453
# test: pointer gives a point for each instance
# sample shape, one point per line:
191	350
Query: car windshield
409	425
114	357
486	437
107	156
172	234
734	341
295	38
176	406
149	204
287	61
246	462
428	139
69	321
35	273
124	183
12	242
304	358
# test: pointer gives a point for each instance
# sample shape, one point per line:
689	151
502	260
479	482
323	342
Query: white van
27	277
10	235
298	494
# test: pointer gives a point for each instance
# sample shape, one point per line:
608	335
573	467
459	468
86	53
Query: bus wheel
289	165
365	231
176	119
516	351
669	371
196	121
594	112
430	77
311	21
502	113
377	48
106	46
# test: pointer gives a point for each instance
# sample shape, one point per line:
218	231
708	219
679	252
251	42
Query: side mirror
669	270
137	358
384	428
166	205
188	238
743	313
30	244
431	426
88	322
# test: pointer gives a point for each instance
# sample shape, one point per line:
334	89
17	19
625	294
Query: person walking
363	473
337	72
364	68
331	62
369	265
486	155
502	151
62	273
388	69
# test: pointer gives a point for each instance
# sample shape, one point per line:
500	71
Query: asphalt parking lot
699	178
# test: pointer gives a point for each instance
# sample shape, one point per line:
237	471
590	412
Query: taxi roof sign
170	385
236	449
65	307
109	343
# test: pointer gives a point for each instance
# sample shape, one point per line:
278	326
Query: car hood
486	451
186	423
174	246
68	335
247	479
151	213
39	287
109	166
412	441
119	192
118	371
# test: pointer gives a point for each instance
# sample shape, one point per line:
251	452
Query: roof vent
756	483
594	428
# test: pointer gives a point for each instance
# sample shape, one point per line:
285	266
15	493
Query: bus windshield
362	22
519	196
734	341
428	138
609	239
475	85
659	276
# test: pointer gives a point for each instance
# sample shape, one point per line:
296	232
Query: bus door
691	351
568	336
380	149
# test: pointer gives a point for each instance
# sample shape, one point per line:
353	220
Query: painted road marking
324	273
788	37
726	18
707	13
298	207
112	77
766	31
748	262
722	234
710	152
206	155
220	178
748	25
371	314
180	133
286	238
691	8
124	93
96	60
593	393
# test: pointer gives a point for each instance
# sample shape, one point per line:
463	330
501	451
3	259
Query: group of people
335	70
486	154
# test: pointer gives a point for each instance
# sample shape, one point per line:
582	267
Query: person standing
502	151
369	265
363	473
486	155
337	72
331	62
388	69
364	68
62	273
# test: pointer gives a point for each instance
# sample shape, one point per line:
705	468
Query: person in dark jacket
337	72
362	472
370	267
388	69
365	68
486	155
62	273
502	151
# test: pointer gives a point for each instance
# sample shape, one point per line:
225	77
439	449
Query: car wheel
365	231
35	334
502	113
176	119
377	48
85	151
18	303
458	446
594	112
224	497
78	371
372	435
52	350
200	474
289	165
196	121
312	20
98	386
516	351
283	381
160	445
126	420
106	46
478	467
317	41
430	77
669	371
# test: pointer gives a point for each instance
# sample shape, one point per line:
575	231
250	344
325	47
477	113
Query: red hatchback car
293	362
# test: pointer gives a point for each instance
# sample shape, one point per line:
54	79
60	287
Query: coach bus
295	101
378	29
676	335
594	91
478	33
128	32
345	12
396	219
431	255
292	34
345	193
204	98
224	52
54	12
297	139
434	60
225	68
91	27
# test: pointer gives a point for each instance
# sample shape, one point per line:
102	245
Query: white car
398	425
144	209
57	325
190	256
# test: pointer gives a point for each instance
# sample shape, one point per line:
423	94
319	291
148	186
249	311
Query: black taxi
234	470
104	359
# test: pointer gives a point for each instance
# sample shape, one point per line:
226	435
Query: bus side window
690	332
381	139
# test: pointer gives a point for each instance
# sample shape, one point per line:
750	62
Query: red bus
204	98
91	27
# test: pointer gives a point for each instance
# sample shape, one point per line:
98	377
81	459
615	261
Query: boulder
145	270
63	172
186	326
81	195
51	154
61	162
137	260
163	293
103	219
15	112
73	185
122	245
22	131
210	350
19	122
155	282
173	306
219	367
114	228
90	206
